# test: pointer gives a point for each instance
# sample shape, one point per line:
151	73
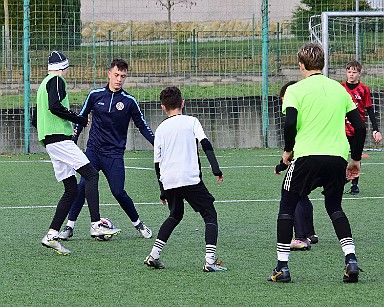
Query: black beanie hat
57	61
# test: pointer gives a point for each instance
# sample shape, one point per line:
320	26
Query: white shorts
66	157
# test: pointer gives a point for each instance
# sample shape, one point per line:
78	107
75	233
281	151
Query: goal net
347	36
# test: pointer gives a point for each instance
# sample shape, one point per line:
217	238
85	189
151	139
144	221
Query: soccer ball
107	222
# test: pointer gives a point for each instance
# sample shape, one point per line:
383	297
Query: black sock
281	264
350	257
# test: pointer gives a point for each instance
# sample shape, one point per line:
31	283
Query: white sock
348	246
71	224
210	253
136	223
157	248
283	251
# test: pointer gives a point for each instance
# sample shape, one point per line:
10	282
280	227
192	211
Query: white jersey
175	149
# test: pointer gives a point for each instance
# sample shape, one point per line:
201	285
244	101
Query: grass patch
152	93
113	272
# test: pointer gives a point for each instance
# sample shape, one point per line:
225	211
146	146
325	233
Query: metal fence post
265	29
27	72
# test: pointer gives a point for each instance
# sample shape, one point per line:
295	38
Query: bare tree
169	6
7	40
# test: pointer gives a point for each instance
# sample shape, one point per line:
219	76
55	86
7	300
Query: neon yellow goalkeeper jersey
321	104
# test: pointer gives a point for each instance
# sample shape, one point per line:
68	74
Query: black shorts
196	195
305	173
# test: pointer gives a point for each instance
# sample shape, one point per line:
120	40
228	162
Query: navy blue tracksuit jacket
111	114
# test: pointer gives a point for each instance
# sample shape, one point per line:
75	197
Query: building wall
141	10
376	4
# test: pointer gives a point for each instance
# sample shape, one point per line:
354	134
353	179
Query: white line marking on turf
372	163
234	167
208	167
147	168
228	201
143	168
22	161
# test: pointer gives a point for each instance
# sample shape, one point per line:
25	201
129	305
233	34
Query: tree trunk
169	8
7	41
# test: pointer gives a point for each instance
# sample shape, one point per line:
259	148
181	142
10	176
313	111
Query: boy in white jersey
178	170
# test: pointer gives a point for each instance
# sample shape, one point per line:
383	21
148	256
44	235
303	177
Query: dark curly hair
171	98
120	64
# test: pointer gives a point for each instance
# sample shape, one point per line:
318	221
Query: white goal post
324	40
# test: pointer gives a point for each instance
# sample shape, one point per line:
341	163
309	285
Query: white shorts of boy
66	157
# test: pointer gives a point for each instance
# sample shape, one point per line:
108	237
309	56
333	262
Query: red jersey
361	96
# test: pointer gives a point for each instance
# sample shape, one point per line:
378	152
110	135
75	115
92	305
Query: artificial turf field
112	273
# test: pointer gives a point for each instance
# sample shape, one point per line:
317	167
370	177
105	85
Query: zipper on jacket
110	103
